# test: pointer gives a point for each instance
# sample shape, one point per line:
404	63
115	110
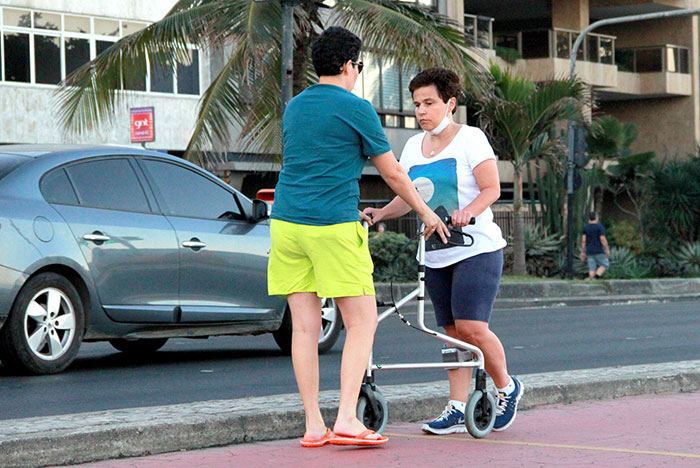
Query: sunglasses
359	66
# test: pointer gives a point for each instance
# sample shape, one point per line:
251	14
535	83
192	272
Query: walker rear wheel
375	420
480	414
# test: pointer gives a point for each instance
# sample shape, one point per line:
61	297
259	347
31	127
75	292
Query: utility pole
571	137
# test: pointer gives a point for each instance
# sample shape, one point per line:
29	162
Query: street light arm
624	19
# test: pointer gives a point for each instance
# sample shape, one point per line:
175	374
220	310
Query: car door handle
194	243
96	237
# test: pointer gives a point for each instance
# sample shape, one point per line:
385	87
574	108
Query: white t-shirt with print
447	179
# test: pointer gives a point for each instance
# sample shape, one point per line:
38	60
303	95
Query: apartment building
642	73
645	73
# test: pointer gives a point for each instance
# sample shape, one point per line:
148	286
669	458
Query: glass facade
667	58
41	47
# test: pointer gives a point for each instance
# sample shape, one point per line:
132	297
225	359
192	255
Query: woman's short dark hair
446	81
332	49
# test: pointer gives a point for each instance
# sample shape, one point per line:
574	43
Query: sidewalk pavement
642	431
518	295
106	435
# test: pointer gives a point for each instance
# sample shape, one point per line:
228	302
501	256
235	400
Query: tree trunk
519	267
302	49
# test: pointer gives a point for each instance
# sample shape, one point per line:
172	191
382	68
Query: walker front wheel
374	419
480	413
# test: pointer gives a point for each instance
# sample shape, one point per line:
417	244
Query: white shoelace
501	403
449	409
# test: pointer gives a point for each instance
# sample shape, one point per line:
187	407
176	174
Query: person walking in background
319	248
454	166
594	247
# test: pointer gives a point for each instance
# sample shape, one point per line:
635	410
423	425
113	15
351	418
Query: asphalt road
536	340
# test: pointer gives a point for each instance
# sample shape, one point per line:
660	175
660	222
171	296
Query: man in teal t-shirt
319	248
328	133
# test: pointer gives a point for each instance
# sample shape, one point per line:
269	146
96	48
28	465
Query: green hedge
394	257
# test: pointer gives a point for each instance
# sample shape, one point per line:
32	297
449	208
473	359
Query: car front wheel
45	327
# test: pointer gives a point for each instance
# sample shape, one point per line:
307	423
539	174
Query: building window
384	83
162	77
666	58
16	47
47	59
43	48
188	75
77	53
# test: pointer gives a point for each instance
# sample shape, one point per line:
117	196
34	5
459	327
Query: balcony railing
665	58
558	43
479	31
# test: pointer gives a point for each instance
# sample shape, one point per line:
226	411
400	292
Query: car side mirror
261	210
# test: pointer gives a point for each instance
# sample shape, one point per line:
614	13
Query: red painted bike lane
642	431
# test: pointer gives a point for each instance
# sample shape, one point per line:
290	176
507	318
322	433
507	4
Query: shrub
394	257
688	258
625	265
541	250
625	234
508	54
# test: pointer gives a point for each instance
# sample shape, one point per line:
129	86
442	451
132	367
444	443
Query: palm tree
244	98
518	115
608	139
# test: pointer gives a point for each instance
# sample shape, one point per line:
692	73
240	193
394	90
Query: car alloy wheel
49	324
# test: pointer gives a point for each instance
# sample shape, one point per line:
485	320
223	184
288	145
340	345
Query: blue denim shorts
597	260
465	290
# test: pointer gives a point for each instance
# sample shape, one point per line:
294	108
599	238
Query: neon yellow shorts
332	261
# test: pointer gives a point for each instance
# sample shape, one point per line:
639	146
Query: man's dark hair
332	49
446	81
593	215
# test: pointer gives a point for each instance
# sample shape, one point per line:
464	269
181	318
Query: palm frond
409	33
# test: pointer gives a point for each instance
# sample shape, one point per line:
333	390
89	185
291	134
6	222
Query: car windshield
10	162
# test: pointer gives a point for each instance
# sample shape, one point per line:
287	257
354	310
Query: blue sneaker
449	422
507	406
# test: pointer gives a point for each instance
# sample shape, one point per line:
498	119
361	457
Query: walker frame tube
419	292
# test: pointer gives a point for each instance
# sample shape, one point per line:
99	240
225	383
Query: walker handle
448	220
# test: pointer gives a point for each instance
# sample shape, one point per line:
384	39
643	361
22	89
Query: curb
564	293
103	435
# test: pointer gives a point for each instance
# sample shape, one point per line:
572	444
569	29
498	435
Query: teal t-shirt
328	133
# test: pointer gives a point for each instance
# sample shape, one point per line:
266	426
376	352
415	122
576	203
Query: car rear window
10	162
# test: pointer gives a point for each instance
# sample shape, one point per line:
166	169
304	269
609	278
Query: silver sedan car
129	246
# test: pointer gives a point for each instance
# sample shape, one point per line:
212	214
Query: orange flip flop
360	439
327	437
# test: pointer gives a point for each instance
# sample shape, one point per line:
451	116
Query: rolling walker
480	411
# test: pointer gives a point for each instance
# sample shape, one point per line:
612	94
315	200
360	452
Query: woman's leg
478	334
306	327
460	379
360	318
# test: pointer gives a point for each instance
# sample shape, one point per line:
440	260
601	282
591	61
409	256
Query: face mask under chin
443	124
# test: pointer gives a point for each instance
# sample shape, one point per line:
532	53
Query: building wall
669	126
30	110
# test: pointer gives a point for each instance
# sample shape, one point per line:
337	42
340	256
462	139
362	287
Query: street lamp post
571	137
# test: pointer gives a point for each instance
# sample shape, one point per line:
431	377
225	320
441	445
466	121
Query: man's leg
360	319
306	328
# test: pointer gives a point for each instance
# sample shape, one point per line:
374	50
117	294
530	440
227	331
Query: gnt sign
142	125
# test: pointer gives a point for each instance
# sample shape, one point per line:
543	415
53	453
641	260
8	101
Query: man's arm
396	178
604	241
583	247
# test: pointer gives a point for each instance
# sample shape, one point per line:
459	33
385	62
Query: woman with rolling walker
453	166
